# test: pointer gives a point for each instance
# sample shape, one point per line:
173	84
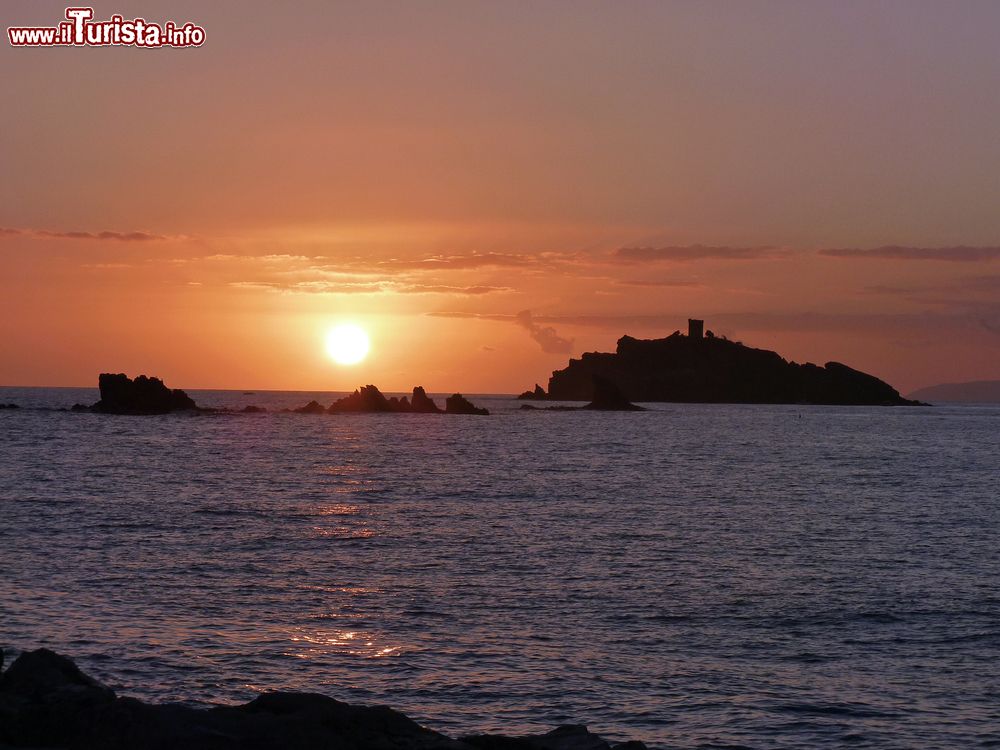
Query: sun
347	344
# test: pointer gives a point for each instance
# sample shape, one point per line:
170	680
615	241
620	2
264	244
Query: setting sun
347	344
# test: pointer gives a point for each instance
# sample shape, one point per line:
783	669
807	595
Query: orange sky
491	188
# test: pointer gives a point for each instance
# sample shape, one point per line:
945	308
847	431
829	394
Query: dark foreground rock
370	400
144	395
710	369
46	701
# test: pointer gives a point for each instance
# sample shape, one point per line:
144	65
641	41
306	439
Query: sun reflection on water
366	644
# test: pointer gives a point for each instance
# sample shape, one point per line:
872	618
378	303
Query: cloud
659	282
970	292
460	262
545	336
957	254
366	287
688	253
659	325
105	235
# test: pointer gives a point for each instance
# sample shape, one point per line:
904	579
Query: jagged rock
608	397
366	399
40	673
46	701
313	407
538	394
81	407
144	395
458	404
369	399
422	403
254	409
716	370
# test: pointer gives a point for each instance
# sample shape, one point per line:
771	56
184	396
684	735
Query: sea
692	576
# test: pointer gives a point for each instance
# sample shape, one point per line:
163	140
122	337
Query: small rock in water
458	404
313	407
608	397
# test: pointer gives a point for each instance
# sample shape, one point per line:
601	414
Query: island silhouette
370	400
703	368
146	395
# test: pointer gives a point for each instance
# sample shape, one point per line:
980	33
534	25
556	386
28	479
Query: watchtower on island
696	328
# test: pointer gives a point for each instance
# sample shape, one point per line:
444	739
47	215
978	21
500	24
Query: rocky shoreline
46	701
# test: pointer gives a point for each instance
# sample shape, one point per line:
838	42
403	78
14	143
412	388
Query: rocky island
121	394
703	368
47	701
370	400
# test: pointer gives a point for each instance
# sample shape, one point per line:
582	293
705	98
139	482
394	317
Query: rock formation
715	370
313	407
608	397
46	701
538	394
144	395
458	404
422	403
370	400
9	406
367	399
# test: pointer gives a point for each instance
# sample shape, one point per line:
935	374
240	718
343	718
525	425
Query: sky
491	188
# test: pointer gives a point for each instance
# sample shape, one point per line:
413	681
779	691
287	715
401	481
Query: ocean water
693	576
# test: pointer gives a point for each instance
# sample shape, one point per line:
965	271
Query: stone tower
696	328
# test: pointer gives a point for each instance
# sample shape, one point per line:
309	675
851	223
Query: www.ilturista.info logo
80	31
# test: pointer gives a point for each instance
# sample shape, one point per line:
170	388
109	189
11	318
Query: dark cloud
687	253
106	235
659	282
957	254
545	336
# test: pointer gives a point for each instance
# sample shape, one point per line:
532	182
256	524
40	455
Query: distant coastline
972	392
